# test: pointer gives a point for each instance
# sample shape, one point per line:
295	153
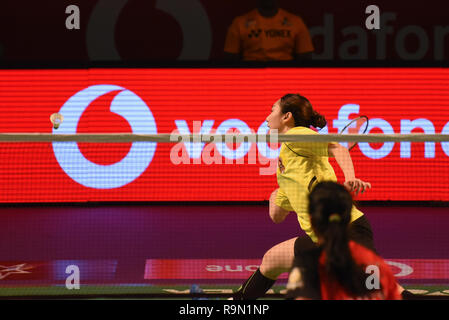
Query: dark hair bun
303	113
317	120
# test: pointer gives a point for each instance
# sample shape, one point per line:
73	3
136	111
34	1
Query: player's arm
232	47
277	214
343	158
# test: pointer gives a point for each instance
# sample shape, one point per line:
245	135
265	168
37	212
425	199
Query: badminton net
214	190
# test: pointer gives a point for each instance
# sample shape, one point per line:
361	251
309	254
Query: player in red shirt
338	268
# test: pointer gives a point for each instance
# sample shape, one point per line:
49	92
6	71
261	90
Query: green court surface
165	291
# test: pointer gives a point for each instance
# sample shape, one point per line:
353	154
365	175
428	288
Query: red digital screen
397	100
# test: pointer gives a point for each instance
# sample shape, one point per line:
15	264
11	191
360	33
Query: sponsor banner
24	271
149	101
420	268
89	270
57	270
164	269
196	30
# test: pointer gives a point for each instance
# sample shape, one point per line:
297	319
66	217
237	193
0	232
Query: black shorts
359	231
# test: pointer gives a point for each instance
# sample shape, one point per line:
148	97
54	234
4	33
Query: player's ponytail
302	111
330	207
318	120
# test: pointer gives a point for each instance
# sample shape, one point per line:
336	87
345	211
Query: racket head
358	125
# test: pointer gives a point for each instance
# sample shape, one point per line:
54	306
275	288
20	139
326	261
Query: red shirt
332	290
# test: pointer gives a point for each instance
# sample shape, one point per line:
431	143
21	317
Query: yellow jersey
301	166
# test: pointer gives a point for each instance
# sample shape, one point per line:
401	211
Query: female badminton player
301	166
336	269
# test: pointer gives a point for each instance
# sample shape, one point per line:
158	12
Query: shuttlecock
56	119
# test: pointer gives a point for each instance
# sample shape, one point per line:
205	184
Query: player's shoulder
290	16
301	130
363	255
248	16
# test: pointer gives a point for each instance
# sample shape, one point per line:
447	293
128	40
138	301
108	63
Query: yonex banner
211	101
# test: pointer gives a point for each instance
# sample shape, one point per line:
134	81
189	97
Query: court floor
167	248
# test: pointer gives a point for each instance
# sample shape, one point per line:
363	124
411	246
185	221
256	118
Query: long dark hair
302	111
330	207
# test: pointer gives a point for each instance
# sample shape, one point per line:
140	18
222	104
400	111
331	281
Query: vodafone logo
191	17
402	269
89	174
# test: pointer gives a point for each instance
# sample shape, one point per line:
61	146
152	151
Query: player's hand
357	185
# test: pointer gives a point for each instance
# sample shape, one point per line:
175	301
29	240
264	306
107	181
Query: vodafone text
184	152
400	269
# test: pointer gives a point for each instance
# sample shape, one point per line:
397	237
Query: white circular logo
190	15
405	269
126	104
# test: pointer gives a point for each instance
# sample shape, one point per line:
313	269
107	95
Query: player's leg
360	231
276	261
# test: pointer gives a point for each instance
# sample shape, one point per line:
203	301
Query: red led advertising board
397	100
